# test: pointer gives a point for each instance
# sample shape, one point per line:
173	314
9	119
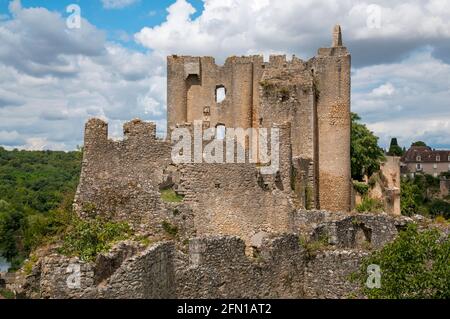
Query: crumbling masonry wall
120	179
281	266
237	198
313	95
123	180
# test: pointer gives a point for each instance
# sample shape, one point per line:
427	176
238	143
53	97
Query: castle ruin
308	101
240	233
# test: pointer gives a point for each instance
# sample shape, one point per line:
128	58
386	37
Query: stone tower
313	95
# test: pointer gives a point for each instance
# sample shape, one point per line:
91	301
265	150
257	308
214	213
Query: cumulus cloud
400	50
408	100
117	4
54	79
228	27
37	41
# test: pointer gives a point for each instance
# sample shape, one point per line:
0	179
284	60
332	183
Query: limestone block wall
358	231
218	268
314	96
327	275
237	199
147	275
214	267
332	81
390	169
192	87
281	265
286	94
120	179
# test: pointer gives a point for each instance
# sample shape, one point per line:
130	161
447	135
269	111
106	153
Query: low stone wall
272	266
327	275
215	267
219	268
348	231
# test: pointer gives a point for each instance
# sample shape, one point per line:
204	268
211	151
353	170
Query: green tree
411	198
394	148
33	186
366	155
440	208
419	143
414	266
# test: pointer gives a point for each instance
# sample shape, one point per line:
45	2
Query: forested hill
32	186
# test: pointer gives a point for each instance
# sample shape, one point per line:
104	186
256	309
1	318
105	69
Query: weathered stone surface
276	266
308	101
245	224
348	231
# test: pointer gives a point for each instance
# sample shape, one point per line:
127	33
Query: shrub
370	205
361	188
312	247
415	265
87	238
441	220
440	208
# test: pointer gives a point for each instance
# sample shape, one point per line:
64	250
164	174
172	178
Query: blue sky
52	79
129	19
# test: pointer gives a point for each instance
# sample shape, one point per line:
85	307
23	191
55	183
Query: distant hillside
32	185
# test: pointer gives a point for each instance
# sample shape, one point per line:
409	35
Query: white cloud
410	100
117	4
235	27
383	90
42	144
10	138
54	79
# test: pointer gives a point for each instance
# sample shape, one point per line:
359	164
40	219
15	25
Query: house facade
425	160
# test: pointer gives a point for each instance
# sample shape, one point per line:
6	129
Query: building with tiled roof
425	160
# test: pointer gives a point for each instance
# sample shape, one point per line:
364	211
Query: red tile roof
427	155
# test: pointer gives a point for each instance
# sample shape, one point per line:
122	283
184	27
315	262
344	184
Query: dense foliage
366	155
35	187
86	238
419	196
415	265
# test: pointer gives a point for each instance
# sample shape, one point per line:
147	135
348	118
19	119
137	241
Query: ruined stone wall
390	170
218	268
281	266
214	267
328	274
120	179
238	199
357	231
314	96
192	87
287	95
384	186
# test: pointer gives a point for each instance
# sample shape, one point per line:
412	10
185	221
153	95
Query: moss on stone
170	196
